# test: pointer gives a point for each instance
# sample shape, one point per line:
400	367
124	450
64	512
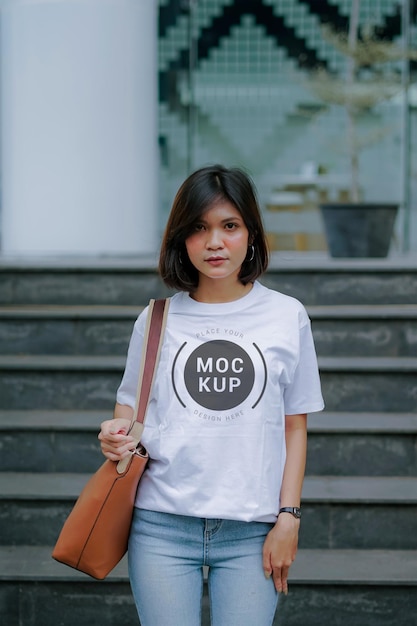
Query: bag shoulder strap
154	335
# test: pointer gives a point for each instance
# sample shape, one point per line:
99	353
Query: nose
214	240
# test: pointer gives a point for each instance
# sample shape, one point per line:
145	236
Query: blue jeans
166	558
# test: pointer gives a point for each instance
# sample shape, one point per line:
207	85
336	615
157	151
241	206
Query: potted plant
355	228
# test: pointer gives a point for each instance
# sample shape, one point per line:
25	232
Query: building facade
108	104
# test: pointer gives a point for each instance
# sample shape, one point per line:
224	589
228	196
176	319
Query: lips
215	260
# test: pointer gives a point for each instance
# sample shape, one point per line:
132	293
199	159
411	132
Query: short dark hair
200	191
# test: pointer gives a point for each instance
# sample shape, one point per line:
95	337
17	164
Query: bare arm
115	442
280	546
296	443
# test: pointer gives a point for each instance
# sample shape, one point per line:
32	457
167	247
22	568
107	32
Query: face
219	244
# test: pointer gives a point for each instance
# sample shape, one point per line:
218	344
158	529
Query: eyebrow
225	221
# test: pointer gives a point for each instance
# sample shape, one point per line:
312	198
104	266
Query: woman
226	426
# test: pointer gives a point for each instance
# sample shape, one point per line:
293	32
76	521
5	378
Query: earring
252	253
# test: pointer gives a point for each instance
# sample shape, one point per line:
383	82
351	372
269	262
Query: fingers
280	577
115	443
266	562
118	450
279	552
278	571
115	426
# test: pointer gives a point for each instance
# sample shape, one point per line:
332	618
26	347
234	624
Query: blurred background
108	105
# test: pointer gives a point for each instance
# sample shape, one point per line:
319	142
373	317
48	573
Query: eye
198	228
231	226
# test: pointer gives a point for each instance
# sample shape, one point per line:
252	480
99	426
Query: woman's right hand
116	443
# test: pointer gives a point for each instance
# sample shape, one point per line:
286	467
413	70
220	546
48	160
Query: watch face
297	512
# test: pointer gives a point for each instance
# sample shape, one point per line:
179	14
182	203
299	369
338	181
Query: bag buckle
140	450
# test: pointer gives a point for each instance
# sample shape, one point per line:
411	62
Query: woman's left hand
279	550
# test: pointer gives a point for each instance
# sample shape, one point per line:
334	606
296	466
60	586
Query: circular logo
219	375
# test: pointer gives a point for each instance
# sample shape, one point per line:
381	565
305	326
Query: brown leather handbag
95	535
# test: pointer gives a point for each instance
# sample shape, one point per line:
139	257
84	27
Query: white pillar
79	127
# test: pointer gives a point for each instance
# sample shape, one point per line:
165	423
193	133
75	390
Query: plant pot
359	230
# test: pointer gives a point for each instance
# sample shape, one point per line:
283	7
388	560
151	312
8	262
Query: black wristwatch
294	510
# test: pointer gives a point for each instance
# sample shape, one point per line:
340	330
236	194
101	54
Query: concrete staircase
64	330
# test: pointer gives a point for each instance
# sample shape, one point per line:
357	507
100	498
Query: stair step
35	590
65	362
379	330
365	330
59	382
130	312
79	281
373	384
35	562
65	421
323	422
355	444
41	486
66	330
338	512
103	362
326	567
133	281
90	382
51	441
363	311
363	567
339	443
359	512
349	281
368	364
77	312
336	489
328	587
361	489
349	422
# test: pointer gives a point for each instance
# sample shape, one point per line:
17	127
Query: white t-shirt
215	428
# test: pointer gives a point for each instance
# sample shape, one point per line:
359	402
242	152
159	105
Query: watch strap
293	510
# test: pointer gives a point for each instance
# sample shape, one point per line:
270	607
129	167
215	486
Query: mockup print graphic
219	375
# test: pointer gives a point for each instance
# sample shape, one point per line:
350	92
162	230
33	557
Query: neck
212	294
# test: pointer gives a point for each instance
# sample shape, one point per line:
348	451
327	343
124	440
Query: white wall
79	126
